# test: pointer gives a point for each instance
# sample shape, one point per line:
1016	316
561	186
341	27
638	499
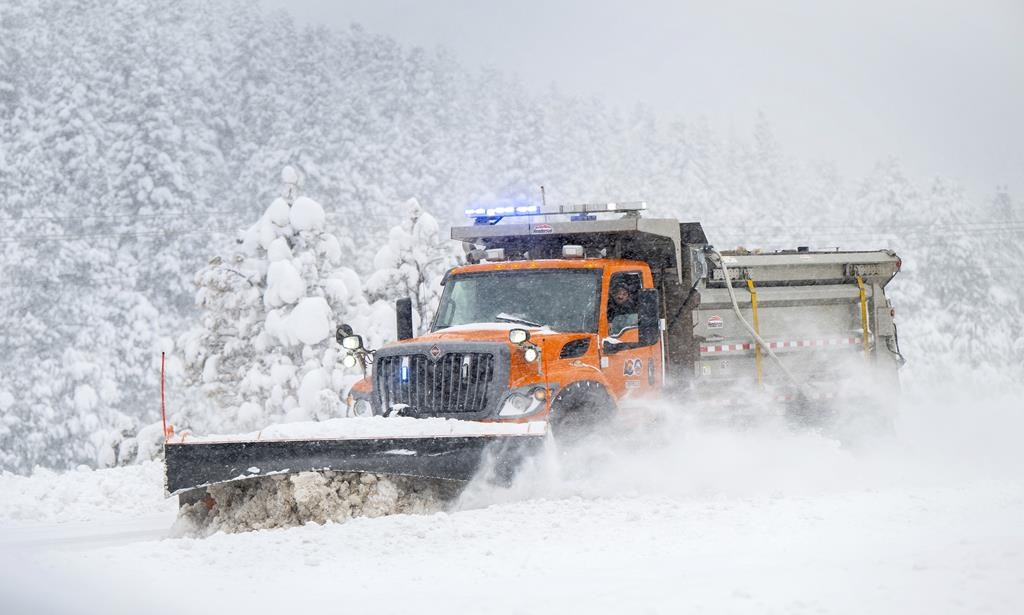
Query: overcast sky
938	83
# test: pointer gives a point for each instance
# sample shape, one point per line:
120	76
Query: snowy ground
758	521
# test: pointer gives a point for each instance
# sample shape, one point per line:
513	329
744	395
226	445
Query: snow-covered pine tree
265	350
886	202
1000	224
412	263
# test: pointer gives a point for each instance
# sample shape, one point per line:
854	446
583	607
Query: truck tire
579	409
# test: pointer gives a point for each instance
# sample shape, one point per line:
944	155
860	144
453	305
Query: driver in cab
622	310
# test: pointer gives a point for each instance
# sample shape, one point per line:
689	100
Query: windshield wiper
509	318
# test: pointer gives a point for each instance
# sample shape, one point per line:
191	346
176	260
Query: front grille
456	383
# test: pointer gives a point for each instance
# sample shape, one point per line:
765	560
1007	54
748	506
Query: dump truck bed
824	314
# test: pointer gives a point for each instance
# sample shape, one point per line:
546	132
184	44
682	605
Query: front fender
361	390
562	373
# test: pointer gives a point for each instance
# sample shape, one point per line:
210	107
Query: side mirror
647	317
611	346
403	311
518	336
343	332
352	342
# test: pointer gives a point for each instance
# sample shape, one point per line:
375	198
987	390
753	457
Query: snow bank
317	497
83	494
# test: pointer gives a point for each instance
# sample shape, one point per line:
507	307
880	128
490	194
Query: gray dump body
810	309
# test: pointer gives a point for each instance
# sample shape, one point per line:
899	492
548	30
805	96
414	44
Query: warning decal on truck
632	366
835	342
715	322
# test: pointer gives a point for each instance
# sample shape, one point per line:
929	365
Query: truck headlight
358	407
362	408
518	404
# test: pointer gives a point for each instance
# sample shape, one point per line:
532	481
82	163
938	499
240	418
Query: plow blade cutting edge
195	465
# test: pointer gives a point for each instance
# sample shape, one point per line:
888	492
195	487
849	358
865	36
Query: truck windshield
561	299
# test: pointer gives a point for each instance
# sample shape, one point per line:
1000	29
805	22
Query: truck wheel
579	409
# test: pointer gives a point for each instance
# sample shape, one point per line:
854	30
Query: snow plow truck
569	317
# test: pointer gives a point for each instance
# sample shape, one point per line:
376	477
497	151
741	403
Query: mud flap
194	465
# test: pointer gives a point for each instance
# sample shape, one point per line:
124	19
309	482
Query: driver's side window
622	302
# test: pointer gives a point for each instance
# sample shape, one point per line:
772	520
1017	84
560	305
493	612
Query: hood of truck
481	332
549	341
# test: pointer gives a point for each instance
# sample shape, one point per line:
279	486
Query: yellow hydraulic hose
864	315
757	337
757	329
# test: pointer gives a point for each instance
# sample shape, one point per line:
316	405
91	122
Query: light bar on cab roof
504	210
535	210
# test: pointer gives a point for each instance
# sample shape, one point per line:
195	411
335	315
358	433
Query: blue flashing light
403	372
499	211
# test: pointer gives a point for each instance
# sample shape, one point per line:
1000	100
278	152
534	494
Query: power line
85	281
821	239
170	214
910	232
895	225
874	229
126	235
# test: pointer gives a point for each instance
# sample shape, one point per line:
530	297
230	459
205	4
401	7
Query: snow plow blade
195	465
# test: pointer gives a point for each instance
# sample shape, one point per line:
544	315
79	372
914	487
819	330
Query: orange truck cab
511	340
576	314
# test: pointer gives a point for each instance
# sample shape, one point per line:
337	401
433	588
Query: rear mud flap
194	465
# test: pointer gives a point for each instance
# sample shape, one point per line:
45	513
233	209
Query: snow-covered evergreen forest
142	145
